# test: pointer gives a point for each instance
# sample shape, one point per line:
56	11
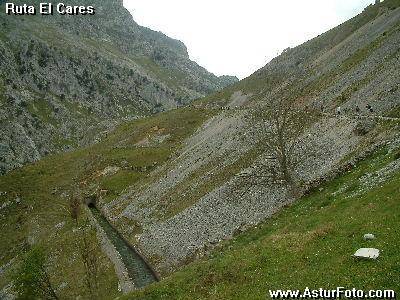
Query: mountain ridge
91	72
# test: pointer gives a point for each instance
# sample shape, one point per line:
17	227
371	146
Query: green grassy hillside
308	244
34	199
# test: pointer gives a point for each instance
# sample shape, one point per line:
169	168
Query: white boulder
369	236
370	253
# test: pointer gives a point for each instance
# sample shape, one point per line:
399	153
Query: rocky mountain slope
308	244
214	186
66	79
179	184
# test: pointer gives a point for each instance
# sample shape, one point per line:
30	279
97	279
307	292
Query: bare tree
282	125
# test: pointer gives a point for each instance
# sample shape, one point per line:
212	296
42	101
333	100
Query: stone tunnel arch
91	201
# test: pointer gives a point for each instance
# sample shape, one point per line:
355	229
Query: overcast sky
236	37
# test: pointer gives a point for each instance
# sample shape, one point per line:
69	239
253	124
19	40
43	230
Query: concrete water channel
138	269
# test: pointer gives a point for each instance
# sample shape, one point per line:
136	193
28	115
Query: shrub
32	280
397	154
75	208
363	127
89	253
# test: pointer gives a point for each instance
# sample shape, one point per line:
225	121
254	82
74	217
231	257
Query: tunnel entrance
91	200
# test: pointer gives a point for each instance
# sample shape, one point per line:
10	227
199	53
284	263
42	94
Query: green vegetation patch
41	109
172	78
395	113
115	184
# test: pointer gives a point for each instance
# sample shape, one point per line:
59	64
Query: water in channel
139	271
